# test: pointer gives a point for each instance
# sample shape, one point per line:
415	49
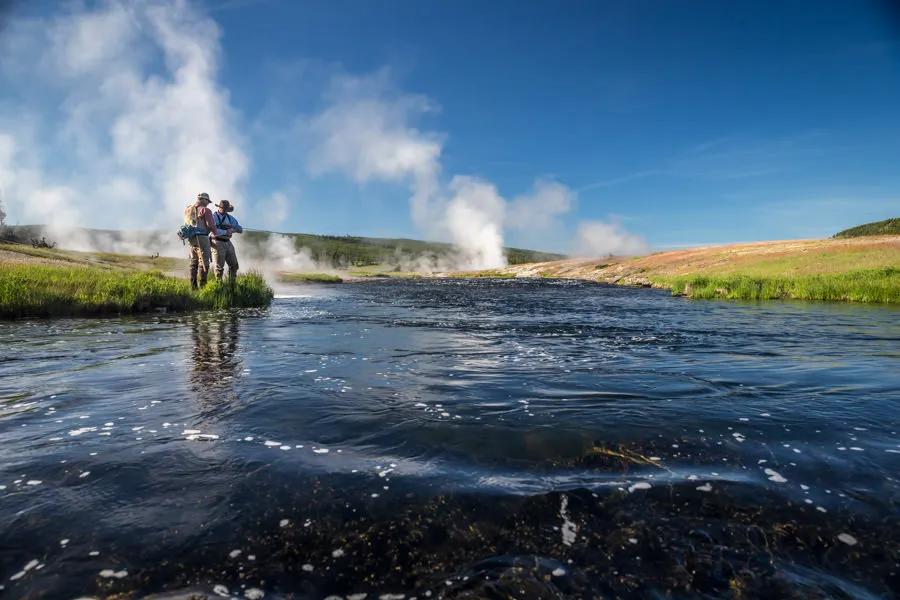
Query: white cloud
368	131
540	209
600	238
273	211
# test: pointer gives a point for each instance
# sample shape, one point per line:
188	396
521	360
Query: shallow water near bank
459	439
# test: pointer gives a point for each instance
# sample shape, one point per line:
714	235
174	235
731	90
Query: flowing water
457	439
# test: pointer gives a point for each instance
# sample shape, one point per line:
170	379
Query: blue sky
679	122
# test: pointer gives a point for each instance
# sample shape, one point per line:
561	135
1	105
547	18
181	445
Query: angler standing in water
200	218
222	248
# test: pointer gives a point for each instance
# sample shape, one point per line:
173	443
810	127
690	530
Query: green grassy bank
309	278
35	290
868	285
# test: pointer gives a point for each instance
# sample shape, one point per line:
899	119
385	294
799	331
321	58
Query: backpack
187	231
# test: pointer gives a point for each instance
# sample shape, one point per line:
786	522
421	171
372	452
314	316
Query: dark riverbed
457	439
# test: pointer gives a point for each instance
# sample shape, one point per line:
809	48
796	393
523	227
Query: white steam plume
539	210
600	238
138	140
366	131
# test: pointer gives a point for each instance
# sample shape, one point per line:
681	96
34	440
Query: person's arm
235	226
210	222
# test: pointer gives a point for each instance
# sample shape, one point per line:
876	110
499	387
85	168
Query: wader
198	246
200	258
223	252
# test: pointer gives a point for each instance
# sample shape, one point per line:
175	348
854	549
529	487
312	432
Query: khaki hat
225	204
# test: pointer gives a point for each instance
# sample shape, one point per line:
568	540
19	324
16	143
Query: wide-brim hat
226	205
203	196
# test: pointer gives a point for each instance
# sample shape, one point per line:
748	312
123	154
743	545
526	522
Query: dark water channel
455	439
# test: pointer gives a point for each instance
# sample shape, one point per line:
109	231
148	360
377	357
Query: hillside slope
865	269
334	251
886	227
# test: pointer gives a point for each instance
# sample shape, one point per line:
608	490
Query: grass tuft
246	291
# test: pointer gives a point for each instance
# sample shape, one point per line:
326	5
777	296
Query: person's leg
194	257
218	257
231	258
203	241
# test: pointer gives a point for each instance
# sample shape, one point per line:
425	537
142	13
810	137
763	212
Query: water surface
458	439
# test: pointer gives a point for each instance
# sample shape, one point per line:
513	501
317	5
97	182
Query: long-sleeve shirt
226	219
200	217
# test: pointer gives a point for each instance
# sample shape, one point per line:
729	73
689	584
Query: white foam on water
640	485
558	572
321	450
337	553
34	482
234	554
847	539
254	593
81	430
272	444
307	567
220	590
110	574
775	476
569	528
284	523
706	487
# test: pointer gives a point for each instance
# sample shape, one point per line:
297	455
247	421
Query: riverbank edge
861	269
29	290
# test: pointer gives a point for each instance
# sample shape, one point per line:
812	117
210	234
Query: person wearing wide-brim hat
222	248
200	218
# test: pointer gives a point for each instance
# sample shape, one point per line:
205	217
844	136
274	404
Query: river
455	439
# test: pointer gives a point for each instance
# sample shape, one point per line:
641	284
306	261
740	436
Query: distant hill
886	227
338	251
363	251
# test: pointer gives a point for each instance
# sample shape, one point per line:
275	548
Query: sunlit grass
245	291
309	278
36	290
489	274
869	285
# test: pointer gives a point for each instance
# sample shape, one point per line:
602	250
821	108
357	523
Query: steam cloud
142	141
599	238
125	97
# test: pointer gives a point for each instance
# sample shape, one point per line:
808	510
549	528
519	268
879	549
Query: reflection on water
216	361
481	439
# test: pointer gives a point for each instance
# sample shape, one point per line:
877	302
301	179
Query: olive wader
200	253
223	252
